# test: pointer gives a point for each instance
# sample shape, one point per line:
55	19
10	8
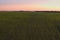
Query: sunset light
9	5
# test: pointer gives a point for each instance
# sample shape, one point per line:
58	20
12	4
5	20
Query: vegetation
29	26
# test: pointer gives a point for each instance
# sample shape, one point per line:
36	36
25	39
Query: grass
29	26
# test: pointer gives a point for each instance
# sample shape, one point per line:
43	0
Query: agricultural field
29	26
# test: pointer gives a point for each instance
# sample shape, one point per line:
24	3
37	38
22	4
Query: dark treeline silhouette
49	11
33	11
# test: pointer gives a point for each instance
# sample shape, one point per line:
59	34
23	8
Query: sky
31	5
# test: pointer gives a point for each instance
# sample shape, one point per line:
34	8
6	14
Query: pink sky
9	5
21	7
26	7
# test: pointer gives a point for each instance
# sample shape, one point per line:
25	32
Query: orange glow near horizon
28	7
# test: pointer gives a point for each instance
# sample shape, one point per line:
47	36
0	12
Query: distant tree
21	11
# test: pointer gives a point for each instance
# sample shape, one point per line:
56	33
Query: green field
29	26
